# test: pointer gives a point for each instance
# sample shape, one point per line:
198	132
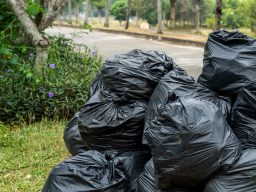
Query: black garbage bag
190	140
178	82
72	137
133	165
146	182
241	178
107	122
89	171
95	171
244	116
229	62
135	74
96	85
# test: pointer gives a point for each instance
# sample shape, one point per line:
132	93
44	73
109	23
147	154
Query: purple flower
94	52
50	94
52	66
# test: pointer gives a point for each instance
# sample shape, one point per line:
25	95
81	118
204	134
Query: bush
58	93
118	10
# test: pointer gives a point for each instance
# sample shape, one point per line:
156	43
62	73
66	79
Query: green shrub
27	97
118	10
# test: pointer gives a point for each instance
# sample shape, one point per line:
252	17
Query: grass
28	153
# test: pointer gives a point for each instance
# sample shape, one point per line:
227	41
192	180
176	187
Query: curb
154	37
145	36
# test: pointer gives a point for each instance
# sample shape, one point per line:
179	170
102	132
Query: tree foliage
118	10
100	4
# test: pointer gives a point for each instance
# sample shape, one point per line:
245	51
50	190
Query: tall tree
160	16
70	10
128	12
218	14
118	10
86	12
197	19
32	30
172	13
106	24
99	4
77	9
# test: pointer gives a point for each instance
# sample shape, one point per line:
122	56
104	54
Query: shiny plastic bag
178	82
72	137
108	122
146	182
244	116
190	140
95	172
135	74
241	178
88	172
229	62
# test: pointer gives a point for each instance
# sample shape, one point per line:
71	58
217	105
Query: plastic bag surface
135	74
177	82
244	116
72	137
241	178
229	62
89	171
146	182
108	122
190	140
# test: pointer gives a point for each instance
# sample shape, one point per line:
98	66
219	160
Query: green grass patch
28	153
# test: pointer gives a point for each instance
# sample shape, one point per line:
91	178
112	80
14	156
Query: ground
28	153
188	57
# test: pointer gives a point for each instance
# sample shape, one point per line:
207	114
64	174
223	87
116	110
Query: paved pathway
188	57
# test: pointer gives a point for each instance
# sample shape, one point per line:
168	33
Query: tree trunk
160	15
218	14
197	16
32	28
70	10
77	10
106	24
99	15
50	15
87	12
172	15
137	19
41	43
128	11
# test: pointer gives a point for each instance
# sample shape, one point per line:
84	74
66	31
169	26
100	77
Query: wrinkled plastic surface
241	178
244	116
94	171
178	82
89	171
72	137
146	182
135	74
190	140
133	165
229	62
107	122
97	85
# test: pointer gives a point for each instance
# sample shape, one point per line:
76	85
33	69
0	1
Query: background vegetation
235	13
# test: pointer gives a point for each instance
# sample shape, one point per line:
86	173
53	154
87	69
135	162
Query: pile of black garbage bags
150	127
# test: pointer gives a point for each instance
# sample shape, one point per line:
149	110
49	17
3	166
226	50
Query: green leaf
5	51
34	9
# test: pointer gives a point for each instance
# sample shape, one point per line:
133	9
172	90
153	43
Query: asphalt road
188	57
